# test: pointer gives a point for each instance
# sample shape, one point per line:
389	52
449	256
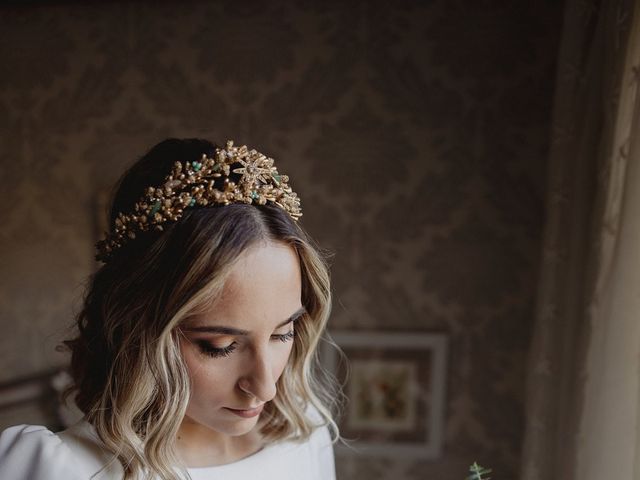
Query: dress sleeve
323	452
30	452
321	447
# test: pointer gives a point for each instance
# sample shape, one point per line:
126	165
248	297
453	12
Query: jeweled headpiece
203	183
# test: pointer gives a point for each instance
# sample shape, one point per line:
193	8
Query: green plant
478	472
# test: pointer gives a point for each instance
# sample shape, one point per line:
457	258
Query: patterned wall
416	134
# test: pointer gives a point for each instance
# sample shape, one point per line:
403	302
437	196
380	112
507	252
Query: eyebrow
237	331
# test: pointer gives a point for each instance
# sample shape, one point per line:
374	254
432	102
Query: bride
196	350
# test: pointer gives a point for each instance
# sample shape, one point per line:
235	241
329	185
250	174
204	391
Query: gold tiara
201	183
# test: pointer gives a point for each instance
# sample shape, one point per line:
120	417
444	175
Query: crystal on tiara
201	183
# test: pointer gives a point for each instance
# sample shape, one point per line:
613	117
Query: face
236	352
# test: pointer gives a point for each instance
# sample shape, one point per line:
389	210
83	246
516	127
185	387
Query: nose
259	380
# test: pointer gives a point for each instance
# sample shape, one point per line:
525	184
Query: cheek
282	359
208	376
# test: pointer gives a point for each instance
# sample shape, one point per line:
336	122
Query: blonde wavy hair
130	379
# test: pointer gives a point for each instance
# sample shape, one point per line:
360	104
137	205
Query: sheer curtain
609	439
583	389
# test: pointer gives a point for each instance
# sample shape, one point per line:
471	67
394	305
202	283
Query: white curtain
583	389
608	435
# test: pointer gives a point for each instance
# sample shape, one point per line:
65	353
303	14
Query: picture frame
395	388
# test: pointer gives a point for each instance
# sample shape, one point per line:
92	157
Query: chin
242	426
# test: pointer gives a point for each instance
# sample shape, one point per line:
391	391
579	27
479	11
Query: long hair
130	379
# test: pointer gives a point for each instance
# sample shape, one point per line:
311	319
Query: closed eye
215	352
284	337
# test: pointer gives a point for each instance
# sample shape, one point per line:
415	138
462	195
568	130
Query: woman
197	348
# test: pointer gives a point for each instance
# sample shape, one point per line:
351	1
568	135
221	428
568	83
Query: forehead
264	285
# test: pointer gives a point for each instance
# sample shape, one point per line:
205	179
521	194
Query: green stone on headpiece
155	209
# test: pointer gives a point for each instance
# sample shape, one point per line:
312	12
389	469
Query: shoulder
320	453
35	453
320	445
321	428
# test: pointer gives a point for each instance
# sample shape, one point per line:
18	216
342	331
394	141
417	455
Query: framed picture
395	388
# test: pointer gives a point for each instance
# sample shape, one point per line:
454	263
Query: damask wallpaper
415	132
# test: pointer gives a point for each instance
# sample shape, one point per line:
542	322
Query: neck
200	446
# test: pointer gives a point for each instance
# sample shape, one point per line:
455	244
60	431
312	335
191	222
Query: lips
246	413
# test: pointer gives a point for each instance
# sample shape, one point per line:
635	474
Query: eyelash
286	337
215	352
207	349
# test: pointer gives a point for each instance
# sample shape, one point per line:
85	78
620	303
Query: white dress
29	452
